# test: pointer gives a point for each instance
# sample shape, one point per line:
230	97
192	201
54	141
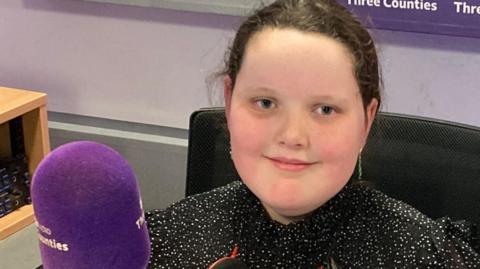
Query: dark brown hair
325	17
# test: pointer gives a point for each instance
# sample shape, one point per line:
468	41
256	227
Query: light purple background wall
149	65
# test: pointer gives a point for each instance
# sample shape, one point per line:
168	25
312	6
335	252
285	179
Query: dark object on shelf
14	175
14	184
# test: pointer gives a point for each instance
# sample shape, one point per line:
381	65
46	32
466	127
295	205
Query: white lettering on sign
397	4
414	5
465	8
369	3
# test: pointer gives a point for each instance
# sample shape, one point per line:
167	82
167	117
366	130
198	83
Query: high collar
318	226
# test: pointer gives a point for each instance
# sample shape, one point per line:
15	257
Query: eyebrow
261	89
323	97
330	98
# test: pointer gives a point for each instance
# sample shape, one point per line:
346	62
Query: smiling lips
291	165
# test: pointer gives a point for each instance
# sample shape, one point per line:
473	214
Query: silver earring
359	166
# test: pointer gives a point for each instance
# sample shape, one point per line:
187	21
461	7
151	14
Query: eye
325	110
265	103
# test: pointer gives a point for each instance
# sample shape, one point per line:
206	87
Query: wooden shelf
31	106
16	221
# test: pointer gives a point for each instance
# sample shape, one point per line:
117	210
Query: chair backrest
430	164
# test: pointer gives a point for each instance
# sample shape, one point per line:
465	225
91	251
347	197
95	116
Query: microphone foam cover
88	209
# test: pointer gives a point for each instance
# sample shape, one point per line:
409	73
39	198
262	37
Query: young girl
302	88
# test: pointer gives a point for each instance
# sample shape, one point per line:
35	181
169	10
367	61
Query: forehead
291	59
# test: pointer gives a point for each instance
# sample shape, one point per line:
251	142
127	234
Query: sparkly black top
358	228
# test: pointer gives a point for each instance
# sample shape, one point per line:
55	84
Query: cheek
340	147
248	139
247	136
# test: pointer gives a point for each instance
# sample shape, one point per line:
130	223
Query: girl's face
296	120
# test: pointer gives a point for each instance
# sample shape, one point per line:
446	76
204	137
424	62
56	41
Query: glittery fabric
358	228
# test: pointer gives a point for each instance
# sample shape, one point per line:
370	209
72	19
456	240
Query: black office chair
430	164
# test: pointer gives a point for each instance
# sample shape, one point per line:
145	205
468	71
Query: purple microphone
88	210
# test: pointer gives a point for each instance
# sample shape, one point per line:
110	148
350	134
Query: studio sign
447	17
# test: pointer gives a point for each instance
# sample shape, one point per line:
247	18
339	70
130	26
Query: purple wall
149	65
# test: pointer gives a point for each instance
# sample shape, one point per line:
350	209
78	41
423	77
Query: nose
293	133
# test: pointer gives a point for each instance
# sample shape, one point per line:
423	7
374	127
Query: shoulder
377	206
380	215
197	210
192	230
399	235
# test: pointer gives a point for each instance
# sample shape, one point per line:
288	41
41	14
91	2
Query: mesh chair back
430	164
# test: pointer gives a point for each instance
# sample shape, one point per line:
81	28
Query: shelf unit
31	106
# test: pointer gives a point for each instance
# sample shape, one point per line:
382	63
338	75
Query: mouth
291	165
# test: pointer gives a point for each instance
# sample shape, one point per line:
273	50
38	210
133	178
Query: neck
283	219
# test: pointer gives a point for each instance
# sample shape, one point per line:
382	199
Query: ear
227	95
370	114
